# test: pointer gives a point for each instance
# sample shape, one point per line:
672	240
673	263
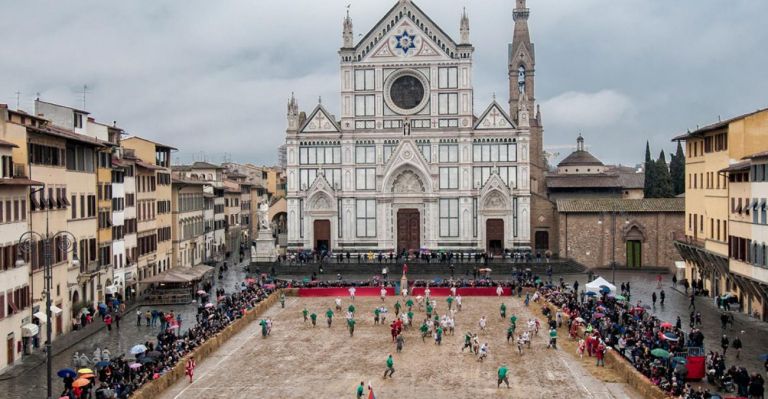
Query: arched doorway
634	243
322	235
541	240
494	236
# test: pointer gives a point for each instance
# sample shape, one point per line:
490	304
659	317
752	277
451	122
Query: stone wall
588	237
154	388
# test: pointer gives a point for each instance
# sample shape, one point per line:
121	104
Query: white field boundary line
226	357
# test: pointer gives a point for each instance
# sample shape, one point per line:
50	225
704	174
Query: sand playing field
298	361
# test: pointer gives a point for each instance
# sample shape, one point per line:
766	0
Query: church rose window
407	92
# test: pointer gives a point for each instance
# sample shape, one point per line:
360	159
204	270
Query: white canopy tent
594	286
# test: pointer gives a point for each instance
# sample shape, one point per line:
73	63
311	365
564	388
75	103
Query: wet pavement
28	379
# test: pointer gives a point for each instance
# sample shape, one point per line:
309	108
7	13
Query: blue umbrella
604	289
590	293
102	364
670	336
64	373
764	357
438	280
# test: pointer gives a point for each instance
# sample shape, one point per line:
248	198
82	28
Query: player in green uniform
313	316
450	301
351	325
409	303
424	330
390	367
503	376
503	311
329	316
305	312
397	308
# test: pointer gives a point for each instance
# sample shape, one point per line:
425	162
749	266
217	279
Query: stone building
408	165
633	233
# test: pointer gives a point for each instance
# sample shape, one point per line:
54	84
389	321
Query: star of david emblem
405	42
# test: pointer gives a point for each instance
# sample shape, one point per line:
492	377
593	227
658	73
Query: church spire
522	60
464	29
293	113
347	35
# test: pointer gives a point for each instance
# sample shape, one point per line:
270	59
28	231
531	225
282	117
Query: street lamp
66	242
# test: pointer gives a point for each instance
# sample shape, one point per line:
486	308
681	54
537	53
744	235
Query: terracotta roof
176	180
583	181
70	135
715	126
20	181
147	165
580	158
150	141
632	180
738	166
621	205
8	144
205	165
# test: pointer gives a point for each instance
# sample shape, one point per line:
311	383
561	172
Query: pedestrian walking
458	302
138	317
189	369
502	376
600	353
390	367
282	299
108	322
693	303
653	298
674	280
424	329
117	319
662	296
724	343
450	302
736	344
383	293
338	304
360	390
552	338
352	293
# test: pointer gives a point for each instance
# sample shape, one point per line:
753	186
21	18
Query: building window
448	78
307	177
449	178
448	123
448	103
78	120
364	105
80	158
514	217
364	79
474	217
449	153
388	149
481	174
365	178
449	218
366	218
320	155
501	152
365	154
393	124
301	218
421	124
426	151
339	220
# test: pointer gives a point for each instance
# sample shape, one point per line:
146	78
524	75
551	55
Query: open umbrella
666	325
604	289
681	369
85	311
85	371
81	382
658	352
620	298
679	360
598	316
87	376
64	373
173	327
101	364
579	319
670	337
208	305
138	349
154	354
764	357
134	366
102	306
145	360
201	292
590	293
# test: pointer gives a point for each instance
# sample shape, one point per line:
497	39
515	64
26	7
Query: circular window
406	92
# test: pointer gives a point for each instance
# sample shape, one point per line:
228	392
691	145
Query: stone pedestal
264	247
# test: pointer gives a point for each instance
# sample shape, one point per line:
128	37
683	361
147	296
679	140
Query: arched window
521	78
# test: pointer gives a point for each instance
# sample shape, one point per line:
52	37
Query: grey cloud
215	77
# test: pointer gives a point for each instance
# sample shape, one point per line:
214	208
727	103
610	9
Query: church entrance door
541	240
494	235
408	230
322	235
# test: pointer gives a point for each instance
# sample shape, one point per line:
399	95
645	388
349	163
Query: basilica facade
408	164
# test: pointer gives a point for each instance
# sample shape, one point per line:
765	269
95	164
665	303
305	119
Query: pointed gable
494	118
320	121
405	32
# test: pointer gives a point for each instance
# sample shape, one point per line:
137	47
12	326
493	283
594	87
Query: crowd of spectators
655	348
124	375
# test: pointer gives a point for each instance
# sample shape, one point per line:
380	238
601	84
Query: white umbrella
138	349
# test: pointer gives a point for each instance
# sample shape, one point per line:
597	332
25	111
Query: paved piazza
298	361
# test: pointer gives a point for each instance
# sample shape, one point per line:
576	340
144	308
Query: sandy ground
298	361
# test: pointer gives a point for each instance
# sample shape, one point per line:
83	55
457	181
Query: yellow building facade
710	151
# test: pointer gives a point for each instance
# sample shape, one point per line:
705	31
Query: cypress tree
650	173
663	181
677	170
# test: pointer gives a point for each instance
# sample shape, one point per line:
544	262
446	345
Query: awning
680	264
200	271
55	310
29	330
111	289
762	204
41	316
170	276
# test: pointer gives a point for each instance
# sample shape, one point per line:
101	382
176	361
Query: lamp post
66	241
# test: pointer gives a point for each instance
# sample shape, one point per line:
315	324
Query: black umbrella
153	354
146	359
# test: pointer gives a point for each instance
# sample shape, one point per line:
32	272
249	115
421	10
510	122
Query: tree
677	170
663	183
650	173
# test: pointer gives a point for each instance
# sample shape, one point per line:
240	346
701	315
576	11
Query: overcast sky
213	78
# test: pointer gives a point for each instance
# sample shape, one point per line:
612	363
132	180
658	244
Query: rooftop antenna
85	93
18	99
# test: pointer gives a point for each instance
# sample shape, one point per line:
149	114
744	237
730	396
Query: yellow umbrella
81	382
85	371
87	376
